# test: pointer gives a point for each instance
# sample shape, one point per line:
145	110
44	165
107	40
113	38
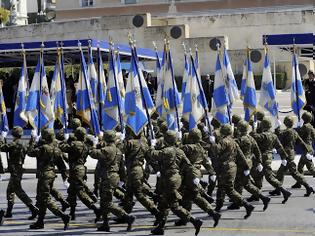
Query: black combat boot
180	222
34	210
97	212
208	198
286	194
72	212
249	209
296	185
66	219
39	224
104	227
159	230
309	191
130	219
265	200
253	199
157	216
1	217
275	192
219	205
216	217
233	206
64	205
8	213
197	224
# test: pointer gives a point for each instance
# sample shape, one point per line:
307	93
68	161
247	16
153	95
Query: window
130	1
87	3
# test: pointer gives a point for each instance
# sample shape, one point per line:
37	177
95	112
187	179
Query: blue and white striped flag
231	86
101	96
113	101
136	99
120	79
160	81
93	77
250	101
267	98
85	106
20	117
58	93
185	75
220	96
243	82
194	100
171	98
4	126
298	100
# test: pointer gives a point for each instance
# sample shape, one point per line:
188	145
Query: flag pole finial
184	47
154	45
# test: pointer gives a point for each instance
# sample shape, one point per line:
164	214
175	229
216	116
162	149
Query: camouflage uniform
251	152
109	158
267	141
289	139
229	153
17	152
77	154
46	154
172	162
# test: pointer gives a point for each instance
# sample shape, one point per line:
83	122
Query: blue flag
220	96
58	92
4	126
298	100
20	117
93	77
85	106
160	81
136	99
39	109
185	75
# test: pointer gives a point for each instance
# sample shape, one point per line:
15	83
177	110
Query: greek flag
185	75
267	98
39	109
4	126
85	106
171	98
220	97
160	80
249	100
298	100
137	97
231	86
113	99
244	76
93	77
58	93
120	79
20	117
101	88
194	103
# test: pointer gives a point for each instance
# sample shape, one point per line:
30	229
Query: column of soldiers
235	157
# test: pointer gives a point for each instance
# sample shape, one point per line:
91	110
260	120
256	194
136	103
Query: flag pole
134	56
296	82
41	66
173	82
63	83
202	93
112	54
99	82
224	79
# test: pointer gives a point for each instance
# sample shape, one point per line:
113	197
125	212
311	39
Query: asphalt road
297	217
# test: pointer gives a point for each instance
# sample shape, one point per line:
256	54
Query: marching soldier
17	152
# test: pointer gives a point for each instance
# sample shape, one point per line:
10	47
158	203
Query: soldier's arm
303	145
33	151
256	151
207	164
241	159
95	153
65	147
4	147
278	146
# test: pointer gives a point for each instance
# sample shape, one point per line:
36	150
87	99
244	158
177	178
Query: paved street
294	218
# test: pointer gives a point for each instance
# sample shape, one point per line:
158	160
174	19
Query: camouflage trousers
305	162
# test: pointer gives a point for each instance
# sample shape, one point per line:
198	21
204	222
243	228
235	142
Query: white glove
4	134
153	142
122	136
284	162
37	138
179	135
205	129
121	184
260	167
95	140
34	133
144	164
274	151
66	136
212	139
196	181
233	126
278	124
213	178
158	174
246	172
255	125
101	135
66	184
309	156
299	124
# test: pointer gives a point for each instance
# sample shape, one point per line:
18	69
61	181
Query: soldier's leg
97	179
301	164
257	177
10	196
220	196
310	167
280	173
